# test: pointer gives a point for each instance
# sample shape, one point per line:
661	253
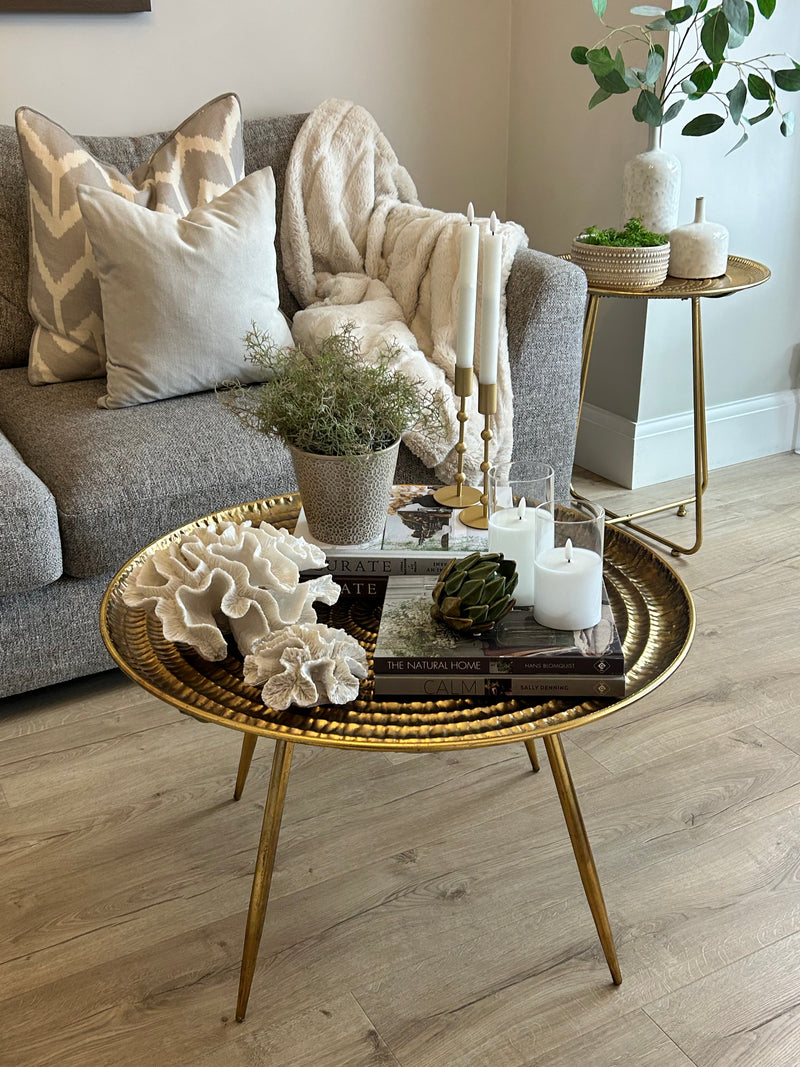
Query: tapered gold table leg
248	748
267	847
582	850
530	745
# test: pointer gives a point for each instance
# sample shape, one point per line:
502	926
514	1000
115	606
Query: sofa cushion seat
122	478
30	545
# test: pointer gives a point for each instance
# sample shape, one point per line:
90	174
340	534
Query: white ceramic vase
700	248
651	186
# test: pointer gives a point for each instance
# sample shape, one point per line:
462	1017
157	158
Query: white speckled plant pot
651	186
633	269
345	498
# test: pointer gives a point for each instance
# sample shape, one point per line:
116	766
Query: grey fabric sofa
82	489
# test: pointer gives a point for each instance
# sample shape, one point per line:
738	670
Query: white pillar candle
467	287
569	588
492	248
512	531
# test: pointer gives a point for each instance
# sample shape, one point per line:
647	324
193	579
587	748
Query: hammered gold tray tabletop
652	607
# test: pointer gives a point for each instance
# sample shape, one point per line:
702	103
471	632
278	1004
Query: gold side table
654	614
741	274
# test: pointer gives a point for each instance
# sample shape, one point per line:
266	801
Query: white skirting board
635	454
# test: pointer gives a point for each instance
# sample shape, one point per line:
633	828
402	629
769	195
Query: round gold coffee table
655	618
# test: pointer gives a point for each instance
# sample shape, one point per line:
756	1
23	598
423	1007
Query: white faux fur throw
358	247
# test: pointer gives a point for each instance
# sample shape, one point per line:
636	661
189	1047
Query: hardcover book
419	537
411	643
495	687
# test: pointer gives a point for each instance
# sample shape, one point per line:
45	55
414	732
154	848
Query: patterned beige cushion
201	159
179	294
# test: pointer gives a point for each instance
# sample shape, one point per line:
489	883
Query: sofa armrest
545	303
30	545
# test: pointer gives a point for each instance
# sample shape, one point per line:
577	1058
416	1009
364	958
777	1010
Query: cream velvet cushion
202	158
179	294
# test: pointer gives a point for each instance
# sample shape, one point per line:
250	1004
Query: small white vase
700	248
651	186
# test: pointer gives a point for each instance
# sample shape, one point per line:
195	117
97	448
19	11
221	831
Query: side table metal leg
262	878
530	745
582	850
589	324
248	748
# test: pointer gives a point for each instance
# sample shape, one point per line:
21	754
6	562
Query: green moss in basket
632	235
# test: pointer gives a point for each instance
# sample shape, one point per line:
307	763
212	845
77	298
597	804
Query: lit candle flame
493	222
521	510
568	551
470	213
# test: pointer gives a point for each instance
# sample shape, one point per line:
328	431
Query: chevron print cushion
200	160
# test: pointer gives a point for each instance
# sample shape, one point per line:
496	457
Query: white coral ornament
306	665
234	575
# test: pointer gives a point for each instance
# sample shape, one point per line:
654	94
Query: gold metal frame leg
248	748
530	745
582	850
589	324
265	860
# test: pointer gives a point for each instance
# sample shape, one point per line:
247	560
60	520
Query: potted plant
701	64
704	37
633	258
341	417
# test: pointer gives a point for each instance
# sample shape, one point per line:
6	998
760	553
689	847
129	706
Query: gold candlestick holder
459	495
478	515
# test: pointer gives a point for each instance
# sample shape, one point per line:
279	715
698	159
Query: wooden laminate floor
426	909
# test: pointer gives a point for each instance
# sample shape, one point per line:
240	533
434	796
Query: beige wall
434	73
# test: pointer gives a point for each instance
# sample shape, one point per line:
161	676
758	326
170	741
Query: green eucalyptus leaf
703	78
598	98
787	126
613	82
634	80
759	88
688	87
702	125
751	17
738	144
766	7
599	7
679	14
788	79
599	60
659	24
672	111
735	11
648	108
737	98
702	6
735	40
763	115
578	54
655	63
714	36
648	10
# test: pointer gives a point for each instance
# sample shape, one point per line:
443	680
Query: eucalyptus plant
705	39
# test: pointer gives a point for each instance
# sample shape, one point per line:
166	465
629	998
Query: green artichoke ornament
474	593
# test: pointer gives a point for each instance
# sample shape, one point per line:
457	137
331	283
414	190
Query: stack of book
416	656
419	537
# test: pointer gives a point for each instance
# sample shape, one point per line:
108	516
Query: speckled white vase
700	248
651	186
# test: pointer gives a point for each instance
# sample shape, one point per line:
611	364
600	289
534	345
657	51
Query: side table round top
652	608
741	273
